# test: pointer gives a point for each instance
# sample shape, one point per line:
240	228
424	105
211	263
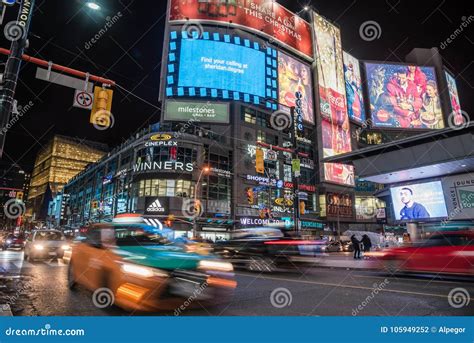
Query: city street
40	289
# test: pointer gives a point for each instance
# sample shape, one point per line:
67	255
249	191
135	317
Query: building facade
56	163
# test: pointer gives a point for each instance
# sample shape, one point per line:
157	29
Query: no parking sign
83	99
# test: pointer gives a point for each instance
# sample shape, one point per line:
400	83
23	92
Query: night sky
130	53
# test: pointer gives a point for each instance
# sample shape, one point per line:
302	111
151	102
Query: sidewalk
339	260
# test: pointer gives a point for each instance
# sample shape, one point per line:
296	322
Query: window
248	116
261	136
166	188
261	119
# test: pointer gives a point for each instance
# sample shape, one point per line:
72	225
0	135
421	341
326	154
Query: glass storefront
166	188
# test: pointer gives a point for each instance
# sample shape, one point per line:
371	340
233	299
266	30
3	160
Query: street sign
63	80
83	99
296	167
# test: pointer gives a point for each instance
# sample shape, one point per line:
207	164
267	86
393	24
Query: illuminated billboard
260	16
404	96
354	95
221	66
419	201
295	76
335	128
458	118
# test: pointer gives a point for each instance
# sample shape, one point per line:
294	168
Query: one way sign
83	99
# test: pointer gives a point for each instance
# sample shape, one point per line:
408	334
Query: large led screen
420	201
404	96
335	128
220	65
295	76
458	118
261	16
354	95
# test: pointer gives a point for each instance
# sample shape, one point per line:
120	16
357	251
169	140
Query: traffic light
197	207
169	221
95	204
302	207
100	114
259	163
250	196
19	195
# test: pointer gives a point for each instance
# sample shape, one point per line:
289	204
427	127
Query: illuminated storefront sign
262	222
156	206
161	140
163	166
339	205
459	194
202	112
261	16
221	172
302	187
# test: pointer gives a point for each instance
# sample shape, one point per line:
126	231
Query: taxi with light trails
145	270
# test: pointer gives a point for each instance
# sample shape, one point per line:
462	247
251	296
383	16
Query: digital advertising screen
222	66
454	100
404	96
420	201
335	128
260	16
354	94
200	112
295	76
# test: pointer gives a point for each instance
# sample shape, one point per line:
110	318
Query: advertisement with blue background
221	65
419	201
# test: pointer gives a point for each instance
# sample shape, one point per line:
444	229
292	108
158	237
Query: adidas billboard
156	206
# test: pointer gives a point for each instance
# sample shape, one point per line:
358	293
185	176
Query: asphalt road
39	289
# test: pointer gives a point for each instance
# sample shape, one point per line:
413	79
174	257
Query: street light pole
17	33
205	169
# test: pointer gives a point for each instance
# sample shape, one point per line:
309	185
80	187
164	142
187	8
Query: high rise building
56	163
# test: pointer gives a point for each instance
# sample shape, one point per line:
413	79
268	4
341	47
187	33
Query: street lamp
204	170
93	6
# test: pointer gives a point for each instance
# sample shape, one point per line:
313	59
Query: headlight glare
215	265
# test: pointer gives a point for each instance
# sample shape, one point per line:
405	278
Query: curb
5	310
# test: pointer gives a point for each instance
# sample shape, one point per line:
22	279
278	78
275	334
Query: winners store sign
168	166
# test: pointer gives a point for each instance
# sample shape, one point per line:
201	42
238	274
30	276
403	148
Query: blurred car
444	253
265	249
44	244
334	247
347	247
13	242
144	270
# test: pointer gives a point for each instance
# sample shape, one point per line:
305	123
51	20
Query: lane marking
409	279
347	286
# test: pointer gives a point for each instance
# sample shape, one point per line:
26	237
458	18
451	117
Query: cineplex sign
202	112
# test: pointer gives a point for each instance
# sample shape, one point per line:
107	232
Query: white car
44	244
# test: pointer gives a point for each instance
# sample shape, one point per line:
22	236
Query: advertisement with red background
336	136
262	15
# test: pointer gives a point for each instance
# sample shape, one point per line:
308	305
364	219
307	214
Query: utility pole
17	33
